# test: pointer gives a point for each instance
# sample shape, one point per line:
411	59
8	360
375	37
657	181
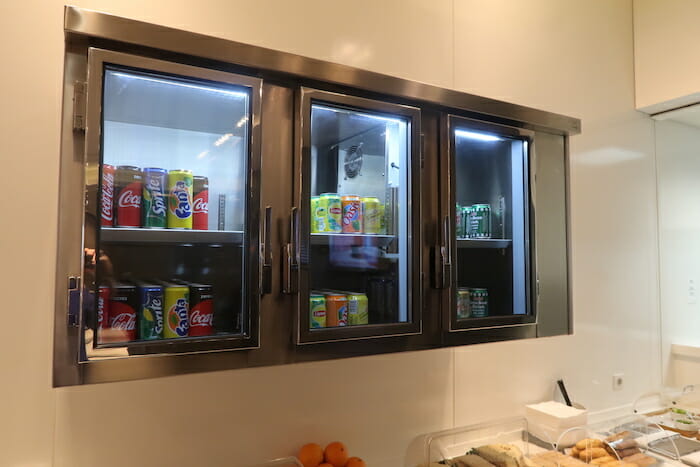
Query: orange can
352	214
336	309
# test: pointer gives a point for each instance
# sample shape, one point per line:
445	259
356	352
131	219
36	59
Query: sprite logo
154	193
180	204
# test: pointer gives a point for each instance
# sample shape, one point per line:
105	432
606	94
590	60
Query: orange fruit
311	455
336	454
355	462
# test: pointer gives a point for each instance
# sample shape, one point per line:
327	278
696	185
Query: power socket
618	381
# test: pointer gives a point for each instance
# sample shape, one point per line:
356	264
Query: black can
201	310
123	303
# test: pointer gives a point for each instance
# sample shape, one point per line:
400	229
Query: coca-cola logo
352	212
199	318
101	311
200	206
177	317
180	204
129	199
124	322
107	195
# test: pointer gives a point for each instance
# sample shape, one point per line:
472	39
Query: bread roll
603	460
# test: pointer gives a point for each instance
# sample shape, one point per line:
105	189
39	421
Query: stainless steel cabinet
225	206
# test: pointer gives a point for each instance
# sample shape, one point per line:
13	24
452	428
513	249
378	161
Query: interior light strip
359	113
477	136
177	83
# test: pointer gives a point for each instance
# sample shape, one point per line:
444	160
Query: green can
480	221
154	206
479	302
459	227
331	204
357	309
318	215
463	303
317	311
466	215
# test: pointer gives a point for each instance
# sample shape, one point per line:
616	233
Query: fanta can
180	199
333	211
352	214
176	311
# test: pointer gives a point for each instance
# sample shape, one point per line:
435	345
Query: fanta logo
124	322
129	199
352	212
180	202
177	317
200	206
197	318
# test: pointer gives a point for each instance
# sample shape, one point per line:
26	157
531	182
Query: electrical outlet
618	381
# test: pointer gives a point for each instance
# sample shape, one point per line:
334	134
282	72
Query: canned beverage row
351	214
472	302
157	310
331	308
473	221
154	198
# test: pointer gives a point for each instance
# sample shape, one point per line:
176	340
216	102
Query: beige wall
568	56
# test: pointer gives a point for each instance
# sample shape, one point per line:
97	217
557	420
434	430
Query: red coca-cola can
201	314
129	189
200	203
122	313
107	200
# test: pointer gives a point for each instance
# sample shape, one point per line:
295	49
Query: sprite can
479	302
357	309
463	303
371	215
154	208
176	311
180	199
333	212
149	314
459	226
317	311
480	221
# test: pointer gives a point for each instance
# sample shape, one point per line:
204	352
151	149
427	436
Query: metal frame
302	237
448	244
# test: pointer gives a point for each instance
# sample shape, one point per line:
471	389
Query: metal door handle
266	254
446	252
290	271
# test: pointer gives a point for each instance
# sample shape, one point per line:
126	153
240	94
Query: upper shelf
328	238
483	243
169	236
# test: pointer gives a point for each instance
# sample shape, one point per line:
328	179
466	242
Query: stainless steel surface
168	236
327	238
446	253
292	258
483	243
79	93
266	253
90	23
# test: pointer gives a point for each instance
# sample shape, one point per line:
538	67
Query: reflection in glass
359	218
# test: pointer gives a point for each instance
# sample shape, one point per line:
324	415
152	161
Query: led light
222	139
241	122
178	83
202	154
477	136
360	114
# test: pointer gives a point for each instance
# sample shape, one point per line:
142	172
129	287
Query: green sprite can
463	303
330	202
154	207
357	309
318	215
479	302
317	311
459	226
480	221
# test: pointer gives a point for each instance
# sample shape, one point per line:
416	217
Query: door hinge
73	304
79	105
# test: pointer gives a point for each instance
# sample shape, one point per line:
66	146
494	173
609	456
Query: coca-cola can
122	313
102	311
128	187
107	195
200	203
201	310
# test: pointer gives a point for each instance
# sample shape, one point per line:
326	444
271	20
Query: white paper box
548	420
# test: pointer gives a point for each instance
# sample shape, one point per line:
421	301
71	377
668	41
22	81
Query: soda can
123	303
102	311
479	302
357	309
150	312
180	199
333	209
318	215
317	311
371	215
480	221
107	194
463	303
154	207
352	214
336	309
176	311
128	185
201	314
459	226
200	203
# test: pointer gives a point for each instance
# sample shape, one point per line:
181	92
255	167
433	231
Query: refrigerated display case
331	224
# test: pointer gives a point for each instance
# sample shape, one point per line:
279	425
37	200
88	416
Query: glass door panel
359	219
491	224
174	157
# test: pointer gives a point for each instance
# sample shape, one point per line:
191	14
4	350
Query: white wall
567	56
666	58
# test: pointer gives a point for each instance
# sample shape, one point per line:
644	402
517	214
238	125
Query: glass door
355	233
171	220
488	228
